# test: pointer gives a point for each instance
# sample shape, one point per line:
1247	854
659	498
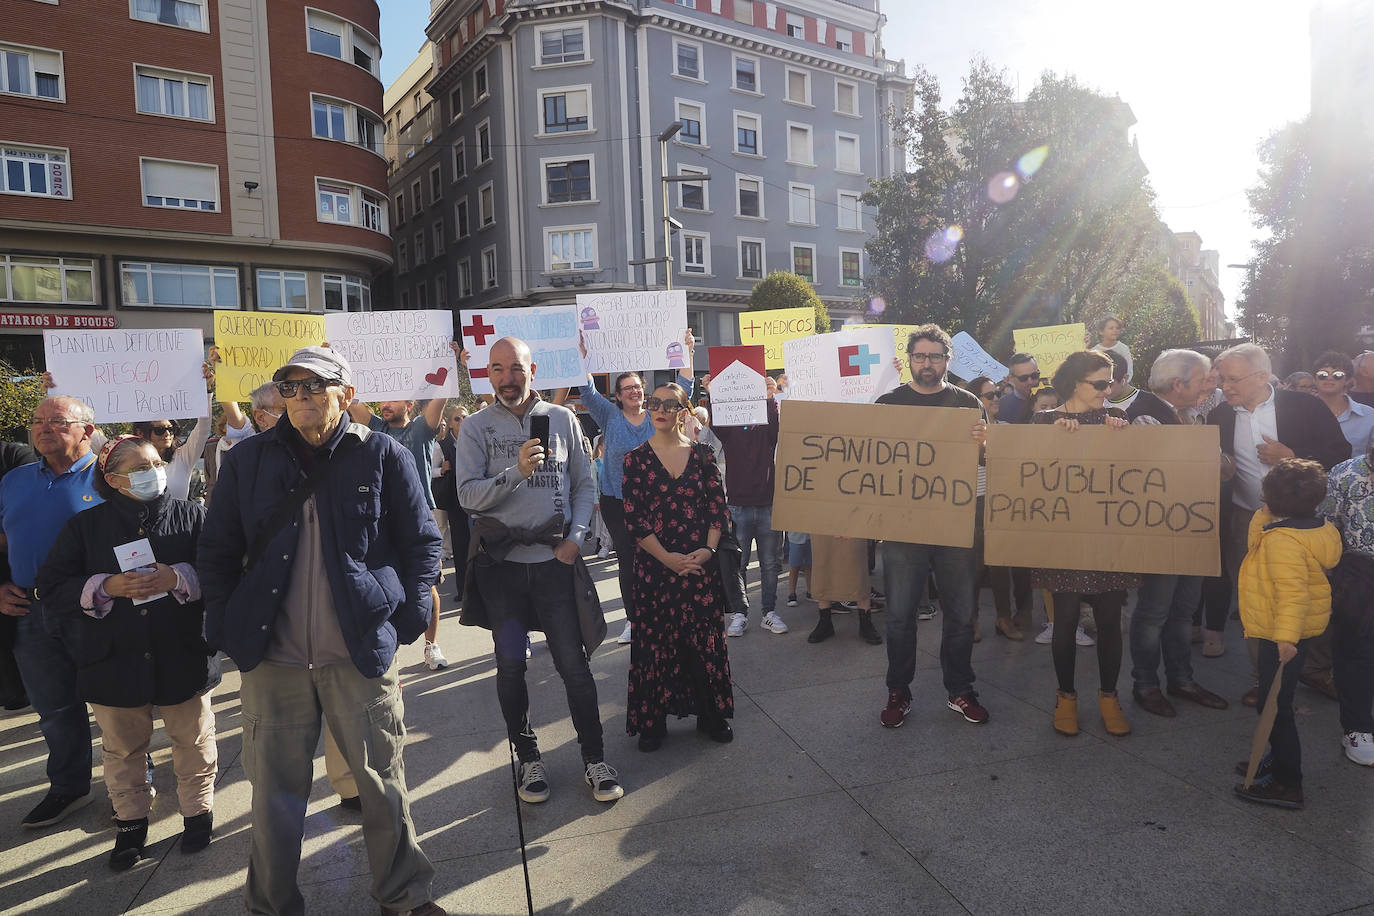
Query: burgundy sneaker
898	705
967	705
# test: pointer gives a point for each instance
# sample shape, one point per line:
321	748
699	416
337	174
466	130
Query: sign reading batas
57	320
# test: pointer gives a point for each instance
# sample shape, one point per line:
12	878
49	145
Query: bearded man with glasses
1025	378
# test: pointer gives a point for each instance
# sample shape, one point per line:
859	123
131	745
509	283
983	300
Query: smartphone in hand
539	429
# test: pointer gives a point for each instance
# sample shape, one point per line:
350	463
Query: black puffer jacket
135	655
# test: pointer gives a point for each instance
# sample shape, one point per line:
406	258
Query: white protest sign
970	360
397	356
130	375
634	331
739	394
852	366
549	330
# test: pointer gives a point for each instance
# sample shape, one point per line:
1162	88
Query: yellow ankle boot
1112	716
1066	713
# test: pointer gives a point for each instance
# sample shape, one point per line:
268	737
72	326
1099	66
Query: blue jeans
49	674
1162	623
906	567
754	524
538	596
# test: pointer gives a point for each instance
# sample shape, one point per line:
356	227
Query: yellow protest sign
1142	499
253	345
1050	345
773	328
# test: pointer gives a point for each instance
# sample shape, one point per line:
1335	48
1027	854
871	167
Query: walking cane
520	824
1265	726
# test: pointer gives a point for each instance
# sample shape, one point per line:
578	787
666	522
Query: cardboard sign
852	366
1050	345
900	334
254	345
549	330
773	328
634	331
881	471
970	360
1141	499
130	375
397	356
739	395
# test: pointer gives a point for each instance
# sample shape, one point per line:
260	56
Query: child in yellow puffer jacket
1285	600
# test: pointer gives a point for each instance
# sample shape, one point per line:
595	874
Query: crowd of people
328	528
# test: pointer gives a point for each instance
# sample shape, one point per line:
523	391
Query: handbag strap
288	507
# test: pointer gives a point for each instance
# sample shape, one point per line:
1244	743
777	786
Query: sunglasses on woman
662	404
1323	375
1101	384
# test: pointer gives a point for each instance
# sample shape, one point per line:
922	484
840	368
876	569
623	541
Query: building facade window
437	233
464	278
796	25
749	192
692	115
844	40
417	197
441	290
570	248
187	286
846	153
422	296
692	194
846	98
747	134
562	45
799	147
798	86
849	213
174	95
180	185
351	205
696	253
566	110
455	103
801	204
480	87
751	259
851	270
436	183
486	205
567	182
55	281
804	261
339	38
282	290
400	209
404	299
489	278
461	227
484	142
39	171
460	159
402	260
186	14
687	60
35	72
746	73
334	119
418	249
344	293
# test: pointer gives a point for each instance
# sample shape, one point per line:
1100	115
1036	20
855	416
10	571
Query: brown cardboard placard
880	471
1142	499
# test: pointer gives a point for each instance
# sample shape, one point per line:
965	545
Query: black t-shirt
949	396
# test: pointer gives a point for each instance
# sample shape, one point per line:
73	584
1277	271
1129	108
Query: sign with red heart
402	355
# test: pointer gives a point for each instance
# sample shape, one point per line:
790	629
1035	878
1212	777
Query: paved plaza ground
813	809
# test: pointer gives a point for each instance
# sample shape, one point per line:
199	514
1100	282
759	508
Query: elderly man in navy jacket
316	562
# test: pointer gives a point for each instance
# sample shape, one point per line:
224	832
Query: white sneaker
926	612
434	657
604	552
533	786
624	637
1046	635
1359	747
1083	639
604	780
773	623
738	624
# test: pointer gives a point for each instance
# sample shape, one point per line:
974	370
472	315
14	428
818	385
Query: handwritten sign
639	330
900	334
397	356
1050	345
254	345
970	360
549	330
1141	499
852	366
880	471
132	374
772	328
739	395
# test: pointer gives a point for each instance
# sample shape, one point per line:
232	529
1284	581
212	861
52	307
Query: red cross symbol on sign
478	331
753	328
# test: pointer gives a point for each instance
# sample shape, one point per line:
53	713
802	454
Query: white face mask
148	484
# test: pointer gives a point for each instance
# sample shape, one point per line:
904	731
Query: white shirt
1251	428
184	461
1120	349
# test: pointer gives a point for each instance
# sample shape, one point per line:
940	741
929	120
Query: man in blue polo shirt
36	500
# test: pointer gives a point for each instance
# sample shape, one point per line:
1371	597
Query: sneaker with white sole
773	623
791	600
738	624
1359	748
624	637
1083	639
533	785
1046	635
604	780
926	612
434	657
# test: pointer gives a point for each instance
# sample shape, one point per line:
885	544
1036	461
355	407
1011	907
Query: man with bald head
531	508
36	500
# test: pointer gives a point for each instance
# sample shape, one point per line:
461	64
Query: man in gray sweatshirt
531	510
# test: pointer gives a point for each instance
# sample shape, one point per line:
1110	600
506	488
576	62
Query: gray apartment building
526	149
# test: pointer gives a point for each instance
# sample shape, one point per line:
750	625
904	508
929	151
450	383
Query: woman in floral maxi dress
675	511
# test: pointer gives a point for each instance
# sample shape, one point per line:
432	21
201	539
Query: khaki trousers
124	737
336	767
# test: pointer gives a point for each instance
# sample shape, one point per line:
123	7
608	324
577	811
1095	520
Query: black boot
717	728
651	739
197	832
824	628
129	839
867	631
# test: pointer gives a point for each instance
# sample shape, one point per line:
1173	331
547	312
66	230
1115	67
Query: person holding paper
624	426
36	500
907	566
120	579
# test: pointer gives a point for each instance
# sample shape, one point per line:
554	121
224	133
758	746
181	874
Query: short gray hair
77	408
1253	354
265	397
1175	365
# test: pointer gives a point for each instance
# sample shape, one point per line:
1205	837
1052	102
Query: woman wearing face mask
138	638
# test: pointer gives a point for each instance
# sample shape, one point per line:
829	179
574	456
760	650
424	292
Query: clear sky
1207	80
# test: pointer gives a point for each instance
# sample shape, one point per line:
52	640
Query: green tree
783	290
19	395
1157	314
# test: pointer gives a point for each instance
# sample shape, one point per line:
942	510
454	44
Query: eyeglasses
54	423
1028	377
662	404
989	396
315	385
927	357
626	389
1101	384
162	430
1323	375
1225	381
